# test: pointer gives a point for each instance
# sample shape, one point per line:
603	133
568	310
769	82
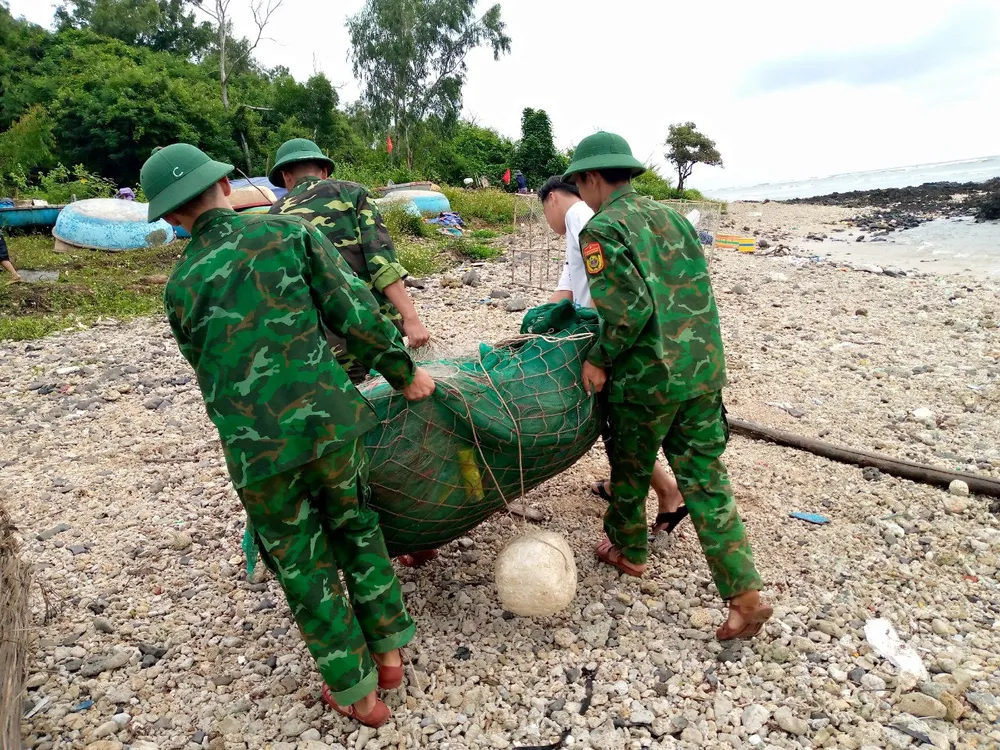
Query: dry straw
15	618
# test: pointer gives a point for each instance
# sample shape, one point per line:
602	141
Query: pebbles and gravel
158	642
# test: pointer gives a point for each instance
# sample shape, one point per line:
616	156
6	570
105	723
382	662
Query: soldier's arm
180	333
619	292
376	245
348	308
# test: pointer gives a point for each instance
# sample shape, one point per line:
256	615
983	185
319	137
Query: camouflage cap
297	149
174	175
603	151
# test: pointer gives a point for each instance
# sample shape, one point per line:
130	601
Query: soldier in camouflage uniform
250	302
345	215
661	349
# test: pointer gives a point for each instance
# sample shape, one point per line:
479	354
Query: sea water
966	170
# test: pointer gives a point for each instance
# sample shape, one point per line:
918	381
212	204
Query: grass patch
92	284
484	234
488	206
402	224
421	258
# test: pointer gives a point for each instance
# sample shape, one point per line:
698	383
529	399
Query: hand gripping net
499	425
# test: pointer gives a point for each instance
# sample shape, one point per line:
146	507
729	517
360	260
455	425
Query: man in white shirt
567	215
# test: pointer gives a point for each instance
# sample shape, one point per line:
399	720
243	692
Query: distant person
567	215
522	182
249	304
344	213
5	261
661	343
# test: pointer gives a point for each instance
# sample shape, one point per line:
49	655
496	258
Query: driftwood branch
886	464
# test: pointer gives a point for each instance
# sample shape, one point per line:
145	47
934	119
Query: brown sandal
753	621
389	678
375	718
417	559
607	553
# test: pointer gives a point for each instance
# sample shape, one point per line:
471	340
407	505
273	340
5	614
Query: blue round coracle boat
426	202
110	224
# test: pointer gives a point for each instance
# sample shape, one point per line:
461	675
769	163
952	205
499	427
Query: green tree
536	154
409	56
689	147
161	25
28	144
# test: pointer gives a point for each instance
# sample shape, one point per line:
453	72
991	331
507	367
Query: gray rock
471	278
606	737
49	533
986	704
596	633
500	294
754	717
293	728
872	682
922	706
641	716
103	625
740	289
790	723
517	304
958	488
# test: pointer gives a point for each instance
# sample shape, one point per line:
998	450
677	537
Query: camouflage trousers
313	524
693	435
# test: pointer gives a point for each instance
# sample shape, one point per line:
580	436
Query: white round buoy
536	574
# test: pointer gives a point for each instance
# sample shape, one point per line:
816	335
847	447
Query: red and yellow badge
593	257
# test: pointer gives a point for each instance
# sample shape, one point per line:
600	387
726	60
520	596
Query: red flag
388	143
506	177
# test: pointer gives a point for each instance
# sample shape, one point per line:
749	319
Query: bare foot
668	494
393	658
747	615
366	705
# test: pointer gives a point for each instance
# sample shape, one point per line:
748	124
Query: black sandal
669	520
601	491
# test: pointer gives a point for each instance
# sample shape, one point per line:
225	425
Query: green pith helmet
297	149
603	151
174	175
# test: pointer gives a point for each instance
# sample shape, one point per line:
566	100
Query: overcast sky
788	89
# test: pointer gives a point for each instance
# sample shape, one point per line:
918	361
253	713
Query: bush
489	206
60	185
401	223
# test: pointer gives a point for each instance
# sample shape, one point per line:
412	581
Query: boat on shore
29	217
110	224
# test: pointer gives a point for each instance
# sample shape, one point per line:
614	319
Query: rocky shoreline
892	209
159	642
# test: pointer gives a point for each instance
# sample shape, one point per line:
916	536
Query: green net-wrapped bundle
499	424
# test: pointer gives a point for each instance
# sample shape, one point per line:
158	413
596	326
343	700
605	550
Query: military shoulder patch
593	257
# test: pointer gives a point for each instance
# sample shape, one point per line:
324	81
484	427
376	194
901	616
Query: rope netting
500	423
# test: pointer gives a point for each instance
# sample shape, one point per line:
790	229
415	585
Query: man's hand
423	386
416	334
593	378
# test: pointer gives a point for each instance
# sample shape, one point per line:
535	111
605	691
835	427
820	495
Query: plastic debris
810	518
82	706
885	641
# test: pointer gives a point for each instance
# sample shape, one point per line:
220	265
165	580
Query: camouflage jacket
250	303
344	214
660	336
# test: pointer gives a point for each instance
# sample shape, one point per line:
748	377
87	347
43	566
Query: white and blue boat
110	224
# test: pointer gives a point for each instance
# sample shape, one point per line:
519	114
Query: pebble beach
155	639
